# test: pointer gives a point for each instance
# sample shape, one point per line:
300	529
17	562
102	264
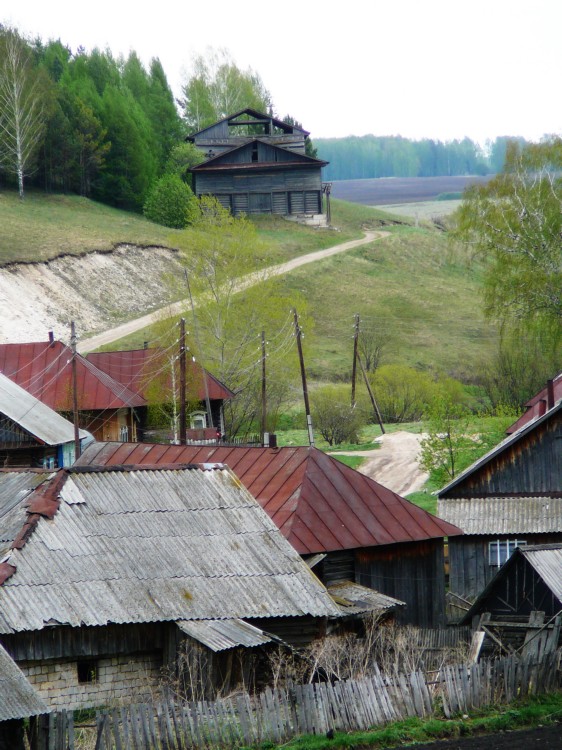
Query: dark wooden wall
412	572
532	465
469	568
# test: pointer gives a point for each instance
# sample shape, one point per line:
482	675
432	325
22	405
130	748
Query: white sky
435	68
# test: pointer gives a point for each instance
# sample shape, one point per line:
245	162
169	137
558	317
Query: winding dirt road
395	464
108	337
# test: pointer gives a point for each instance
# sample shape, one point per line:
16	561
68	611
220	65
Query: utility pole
298	335
203	372
74	393
371	395
354	368
183	415
263	391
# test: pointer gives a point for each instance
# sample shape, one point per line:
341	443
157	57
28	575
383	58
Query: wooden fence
278	715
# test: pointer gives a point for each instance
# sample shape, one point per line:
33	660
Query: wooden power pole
354	368
263	391
298	335
183	410
371	395
74	393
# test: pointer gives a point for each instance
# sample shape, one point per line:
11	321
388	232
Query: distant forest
107	128
357	157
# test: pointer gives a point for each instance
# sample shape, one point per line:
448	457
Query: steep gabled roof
44	369
154	544
260	116
35	417
136	368
318	503
291	159
504	451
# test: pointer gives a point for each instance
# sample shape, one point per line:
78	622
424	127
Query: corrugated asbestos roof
18	699
546	559
34	416
138	368
152	545
503	515
15	488
505	445
354	599
44	369
318	503
220	635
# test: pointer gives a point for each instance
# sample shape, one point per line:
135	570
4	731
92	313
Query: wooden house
509	498
255	163
349	527
32	434
148	373
107	408
107	575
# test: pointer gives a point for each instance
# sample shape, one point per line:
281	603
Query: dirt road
107	337
395	463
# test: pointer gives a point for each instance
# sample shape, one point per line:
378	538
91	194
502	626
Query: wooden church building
255	163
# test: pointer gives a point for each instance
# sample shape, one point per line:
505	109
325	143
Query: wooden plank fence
279	715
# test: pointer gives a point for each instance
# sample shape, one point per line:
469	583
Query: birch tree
23	105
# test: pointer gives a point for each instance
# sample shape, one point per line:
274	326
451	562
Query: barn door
260	203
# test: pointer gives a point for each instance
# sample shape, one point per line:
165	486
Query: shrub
170	202
334	417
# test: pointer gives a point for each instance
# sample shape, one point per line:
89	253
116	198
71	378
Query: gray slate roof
131	546
503	515
18	699
15	488
355	599
34	416
546	559
220	635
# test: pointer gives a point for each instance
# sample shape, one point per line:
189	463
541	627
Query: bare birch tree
23	99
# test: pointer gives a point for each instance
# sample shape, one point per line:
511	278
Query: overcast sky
441	68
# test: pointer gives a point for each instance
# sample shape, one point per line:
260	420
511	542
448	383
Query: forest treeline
108	128
357	157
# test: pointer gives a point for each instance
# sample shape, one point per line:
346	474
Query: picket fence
279	715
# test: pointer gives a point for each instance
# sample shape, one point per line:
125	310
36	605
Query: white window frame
198	416
500	550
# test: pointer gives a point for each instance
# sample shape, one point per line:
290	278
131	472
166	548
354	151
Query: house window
198	420
124	433
87	671
501	549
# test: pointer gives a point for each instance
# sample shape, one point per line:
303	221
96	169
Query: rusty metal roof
35	417
44	370
137	368
503	515
146	545
534	404
319	504
18	699
220	635
354	599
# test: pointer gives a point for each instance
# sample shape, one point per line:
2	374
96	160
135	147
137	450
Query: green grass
43	226
353	461
537	711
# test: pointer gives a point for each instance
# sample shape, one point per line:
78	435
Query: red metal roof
319	504
536	406
137	368
44	370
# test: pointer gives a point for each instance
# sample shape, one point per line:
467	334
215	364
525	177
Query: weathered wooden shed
107	575
509	498
31	433
143	369
347	525
18	701
255	163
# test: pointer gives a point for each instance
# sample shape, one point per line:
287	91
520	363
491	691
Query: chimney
541	407
550	393
51	338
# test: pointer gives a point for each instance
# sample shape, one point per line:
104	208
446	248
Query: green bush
333	416
170	202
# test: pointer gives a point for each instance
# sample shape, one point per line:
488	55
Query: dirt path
395	463
107	337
